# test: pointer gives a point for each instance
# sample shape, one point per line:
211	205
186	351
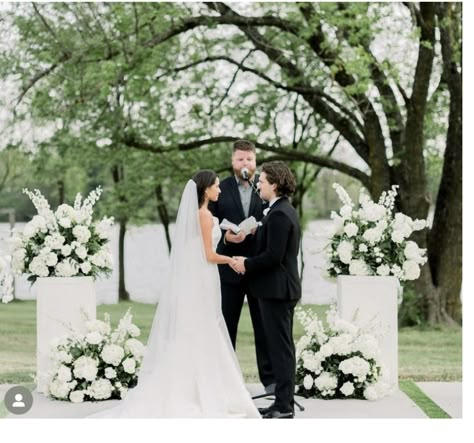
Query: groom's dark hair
280	174
243	145
204	179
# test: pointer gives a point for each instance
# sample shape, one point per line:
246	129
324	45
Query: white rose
356	366
308	382
372	235
38	267
112	354
59	389
411	270
110	373
51	259
66	250
135	347
129	365
65	222
397	236
82	233
351	229
344	251
29	231
66	268
101	389
76	396
81	252
358	267
326	350
383	270
85	367
418	225
347	388
94	338
86	267
326	381
64	374
363	247
413	252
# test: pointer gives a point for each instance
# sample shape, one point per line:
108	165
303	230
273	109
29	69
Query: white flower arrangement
371	240
6	280
65	243
338	360
100	364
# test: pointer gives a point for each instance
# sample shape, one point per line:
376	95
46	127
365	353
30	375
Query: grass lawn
424	354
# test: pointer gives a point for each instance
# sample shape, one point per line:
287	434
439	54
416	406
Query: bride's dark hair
204	179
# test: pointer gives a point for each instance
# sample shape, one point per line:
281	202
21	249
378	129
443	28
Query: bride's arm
206	221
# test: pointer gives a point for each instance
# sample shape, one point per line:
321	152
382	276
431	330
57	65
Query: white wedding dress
190	368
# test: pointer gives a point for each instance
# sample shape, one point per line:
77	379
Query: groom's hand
239	265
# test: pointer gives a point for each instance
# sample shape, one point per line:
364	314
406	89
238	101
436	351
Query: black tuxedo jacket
229	206
273	270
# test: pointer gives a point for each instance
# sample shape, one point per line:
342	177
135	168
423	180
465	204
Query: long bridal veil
189	368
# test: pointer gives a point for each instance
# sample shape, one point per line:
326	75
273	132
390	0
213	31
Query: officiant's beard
251	173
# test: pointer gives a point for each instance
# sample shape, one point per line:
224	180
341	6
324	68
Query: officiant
238	201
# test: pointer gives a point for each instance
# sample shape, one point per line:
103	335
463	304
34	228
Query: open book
247	225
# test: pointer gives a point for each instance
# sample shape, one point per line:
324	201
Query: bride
190	368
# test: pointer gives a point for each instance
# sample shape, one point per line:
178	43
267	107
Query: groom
273	279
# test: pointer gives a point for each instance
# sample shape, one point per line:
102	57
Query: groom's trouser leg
232	300
278	325
264	363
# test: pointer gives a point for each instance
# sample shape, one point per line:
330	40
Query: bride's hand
233	264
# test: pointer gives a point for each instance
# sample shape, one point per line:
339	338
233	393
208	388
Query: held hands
238	265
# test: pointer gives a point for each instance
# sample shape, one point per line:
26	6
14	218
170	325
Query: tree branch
286	154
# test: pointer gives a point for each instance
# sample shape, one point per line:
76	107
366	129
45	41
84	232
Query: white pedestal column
62	303
360	300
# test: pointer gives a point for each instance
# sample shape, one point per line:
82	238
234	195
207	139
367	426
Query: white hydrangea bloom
101	389
112	354
344	251
129	365
351	229
76	396
86	368
358	267
347	388
308	382
411	270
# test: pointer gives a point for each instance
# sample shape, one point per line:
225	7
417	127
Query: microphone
245	173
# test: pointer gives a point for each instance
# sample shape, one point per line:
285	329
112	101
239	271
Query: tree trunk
414	199
445	240
163	214
123	293
61	192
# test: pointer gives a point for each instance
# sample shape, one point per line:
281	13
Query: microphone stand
252	185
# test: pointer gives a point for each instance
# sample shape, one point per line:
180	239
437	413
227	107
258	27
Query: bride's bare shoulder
205	216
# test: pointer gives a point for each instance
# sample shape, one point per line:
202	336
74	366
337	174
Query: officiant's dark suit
234	286
273	279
